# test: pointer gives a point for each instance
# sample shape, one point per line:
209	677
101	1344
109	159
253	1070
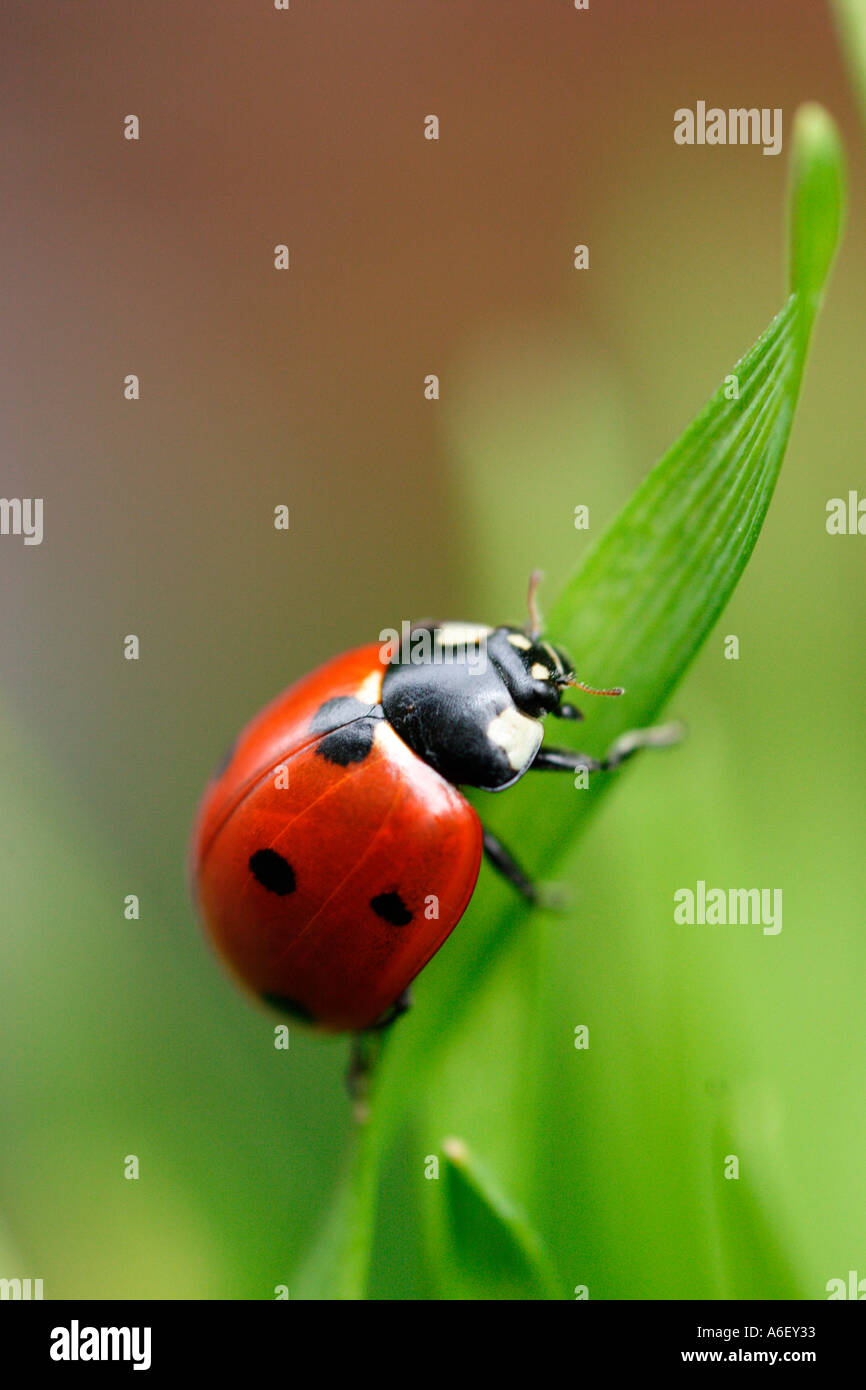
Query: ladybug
333	851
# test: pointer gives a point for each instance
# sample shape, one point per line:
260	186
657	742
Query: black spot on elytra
289	1006
350	726
342	709
391	908
272	871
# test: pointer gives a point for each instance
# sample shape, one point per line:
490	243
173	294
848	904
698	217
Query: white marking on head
517	735
517	639
557	664
540	672
461	634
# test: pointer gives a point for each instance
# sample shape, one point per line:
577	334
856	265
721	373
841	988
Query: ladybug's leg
547	895
401	1005
363	1056
365	1052
565	760
504	864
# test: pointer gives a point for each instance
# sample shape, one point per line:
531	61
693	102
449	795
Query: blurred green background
306	388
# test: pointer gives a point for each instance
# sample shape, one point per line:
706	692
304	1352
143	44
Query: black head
547	671
469	699
536	673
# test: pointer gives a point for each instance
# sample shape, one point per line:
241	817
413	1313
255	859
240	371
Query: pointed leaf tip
817	203
487	1246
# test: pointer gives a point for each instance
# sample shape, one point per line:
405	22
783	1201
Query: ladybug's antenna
534	616
534	631
590	690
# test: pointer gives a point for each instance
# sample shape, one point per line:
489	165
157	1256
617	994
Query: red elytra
385	828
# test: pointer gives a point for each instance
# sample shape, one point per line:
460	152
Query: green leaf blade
336	1267
487	1247
649	593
